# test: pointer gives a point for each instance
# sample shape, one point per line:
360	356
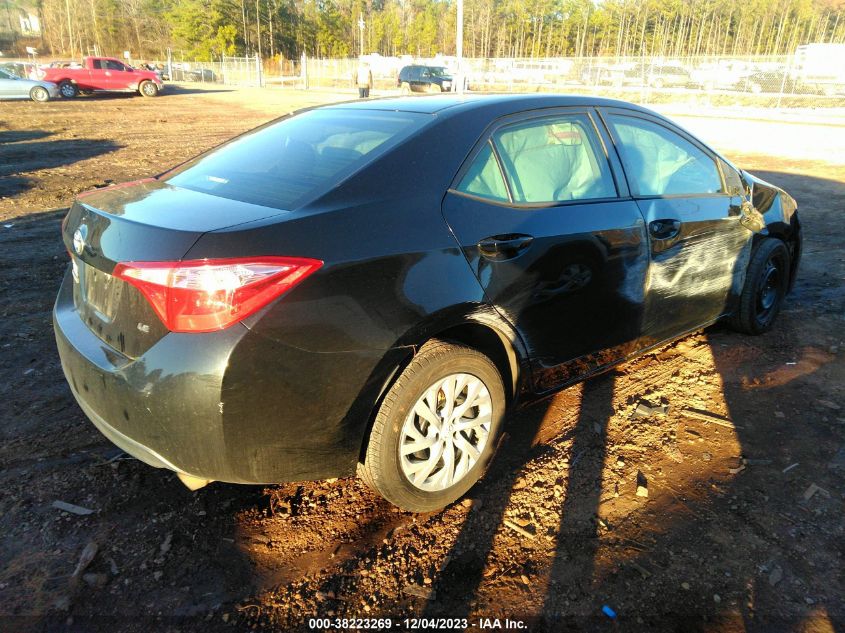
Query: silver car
12	87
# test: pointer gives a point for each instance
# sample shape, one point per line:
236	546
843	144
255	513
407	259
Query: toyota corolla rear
158	320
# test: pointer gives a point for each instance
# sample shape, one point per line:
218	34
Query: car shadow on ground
657	579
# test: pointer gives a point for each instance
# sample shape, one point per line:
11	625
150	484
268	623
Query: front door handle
504	246
664	229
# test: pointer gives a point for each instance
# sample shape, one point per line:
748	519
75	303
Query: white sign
126	55
31	51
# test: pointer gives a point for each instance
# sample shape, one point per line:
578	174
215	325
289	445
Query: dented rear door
698	248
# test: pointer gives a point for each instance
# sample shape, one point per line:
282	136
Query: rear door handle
504	246
664	229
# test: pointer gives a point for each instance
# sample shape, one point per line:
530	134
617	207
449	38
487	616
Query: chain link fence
232	71
814	78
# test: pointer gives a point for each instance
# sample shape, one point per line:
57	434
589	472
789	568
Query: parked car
603	76
13	87
416	78
102	74
668	77
203	74
186	72
368	286
766	81
725	74
63	63
24	70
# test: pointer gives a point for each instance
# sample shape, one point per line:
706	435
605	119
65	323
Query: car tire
442	372
68	89
766	285
40	94
148	89
405	88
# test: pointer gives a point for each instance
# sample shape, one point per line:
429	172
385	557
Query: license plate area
99	291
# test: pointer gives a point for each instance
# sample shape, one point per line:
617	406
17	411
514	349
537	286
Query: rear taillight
212	294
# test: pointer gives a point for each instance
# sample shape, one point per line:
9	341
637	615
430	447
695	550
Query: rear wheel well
479	337
491	344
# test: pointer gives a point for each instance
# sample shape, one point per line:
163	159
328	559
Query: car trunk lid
138	222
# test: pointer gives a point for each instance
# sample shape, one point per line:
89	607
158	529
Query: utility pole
459	47
258	26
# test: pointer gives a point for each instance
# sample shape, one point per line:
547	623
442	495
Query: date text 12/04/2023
415	624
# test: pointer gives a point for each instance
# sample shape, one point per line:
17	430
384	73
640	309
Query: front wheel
436	429
148	89
766	283
68	89
39	93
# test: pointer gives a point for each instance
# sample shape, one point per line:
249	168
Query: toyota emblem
79	240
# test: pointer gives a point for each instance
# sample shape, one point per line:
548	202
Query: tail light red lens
212	294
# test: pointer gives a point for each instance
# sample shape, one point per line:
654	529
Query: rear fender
450	323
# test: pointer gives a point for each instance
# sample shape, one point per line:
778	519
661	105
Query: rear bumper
136	449
226	406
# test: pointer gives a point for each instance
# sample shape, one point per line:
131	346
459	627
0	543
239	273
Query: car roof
444	105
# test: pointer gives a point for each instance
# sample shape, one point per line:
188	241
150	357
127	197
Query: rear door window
554	159
660	162
288	163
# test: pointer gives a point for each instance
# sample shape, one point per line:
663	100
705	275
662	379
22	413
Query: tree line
207	29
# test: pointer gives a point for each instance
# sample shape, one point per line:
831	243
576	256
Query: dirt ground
742	528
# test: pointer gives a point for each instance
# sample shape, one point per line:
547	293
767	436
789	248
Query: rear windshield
290	163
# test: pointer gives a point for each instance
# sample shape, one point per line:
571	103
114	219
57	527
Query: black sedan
366	287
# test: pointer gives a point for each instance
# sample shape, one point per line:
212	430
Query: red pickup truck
101	74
